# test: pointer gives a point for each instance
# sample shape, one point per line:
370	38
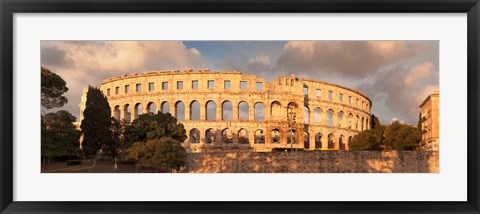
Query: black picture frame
9	7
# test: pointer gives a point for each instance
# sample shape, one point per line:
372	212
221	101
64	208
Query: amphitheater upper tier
231	110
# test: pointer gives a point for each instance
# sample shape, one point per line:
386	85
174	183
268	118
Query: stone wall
314	162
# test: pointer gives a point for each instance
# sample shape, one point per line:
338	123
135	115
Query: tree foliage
165	154
60	138
364	141
96	123
378	129
52	87
154	126
408	138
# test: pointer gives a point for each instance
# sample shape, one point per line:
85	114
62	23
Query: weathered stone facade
314	162
430	116
249	113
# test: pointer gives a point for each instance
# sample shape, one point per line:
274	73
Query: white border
449	184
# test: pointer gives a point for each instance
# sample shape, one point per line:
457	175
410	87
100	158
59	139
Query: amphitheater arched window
292	137
137	111
227	136
180	110
195	110
117	90
116	113
194	136
138	88
318	140
275	136
243	136
317	116
227	108
306	115
305	90
127	89
330	117
306	140
151	86
363	122
259	112
127	113
165	107
211	110
356	122
331	142
340	119
152	108
292	112
349	139
341	145
350	121
276	110
259	137
367	124
210	136
243	110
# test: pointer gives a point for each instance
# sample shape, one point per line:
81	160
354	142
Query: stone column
187	110
234	110
203	109
324	140
251	112
219	109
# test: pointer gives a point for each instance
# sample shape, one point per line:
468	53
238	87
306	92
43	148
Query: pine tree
96	123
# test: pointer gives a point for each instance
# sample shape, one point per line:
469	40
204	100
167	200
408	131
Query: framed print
267	106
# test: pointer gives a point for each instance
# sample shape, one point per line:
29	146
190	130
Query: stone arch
243	110
243	136
127	113
137	111
227	108
292	109
165	107
330	116
275	136
259	111
116	112
210	136
227	136
350	121
195	110
292	137
152	108
180	110
317	115
367	124
318	140
259	137
211	110
363	124
306	140
341	144
331	141
340	119
276	110
194	136
357	120
306	115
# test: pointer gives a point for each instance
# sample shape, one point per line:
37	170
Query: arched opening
165	107
211	110
292	137
341	145
368	124
243	136
152	108
210	136
318	140
127	115
276	110
259	137
317	115
306	115
292	113
259	112
243	110
137	111
194	135
180	110
340	119
363	124
195	110
227	108
356	123
331	141
275	136
330	117
350	121
227	136
116	112
306	140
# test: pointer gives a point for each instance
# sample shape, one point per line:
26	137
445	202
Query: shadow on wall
313	162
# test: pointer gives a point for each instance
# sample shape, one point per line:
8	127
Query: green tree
114	147
408	138
378	129
364	141
391	134
165	154
52	87
96	123
154	126
419	124
60	138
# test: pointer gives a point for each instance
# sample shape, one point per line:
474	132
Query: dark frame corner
9	7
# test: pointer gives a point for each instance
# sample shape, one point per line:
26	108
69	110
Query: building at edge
429	112
235	111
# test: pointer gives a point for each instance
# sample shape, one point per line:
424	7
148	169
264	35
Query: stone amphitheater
234	111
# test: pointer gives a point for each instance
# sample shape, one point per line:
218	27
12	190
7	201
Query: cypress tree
96	123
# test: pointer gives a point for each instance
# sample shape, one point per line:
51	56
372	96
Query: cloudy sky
396	75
